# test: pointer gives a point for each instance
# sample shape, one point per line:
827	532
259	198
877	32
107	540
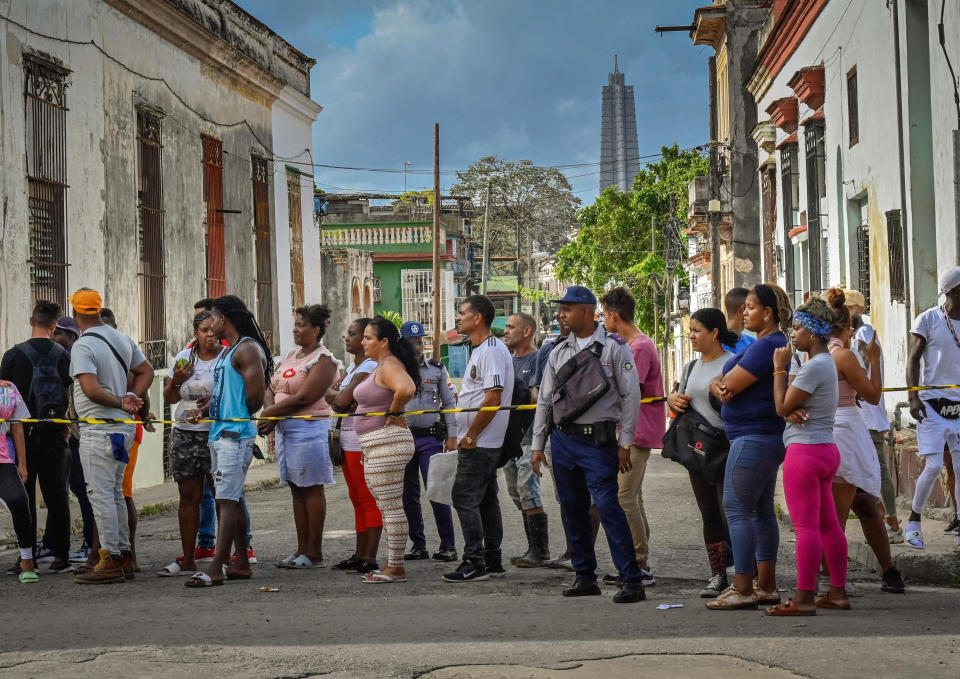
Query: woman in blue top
239	386
756	450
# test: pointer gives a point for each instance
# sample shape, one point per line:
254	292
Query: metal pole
486	242
714	216
436	242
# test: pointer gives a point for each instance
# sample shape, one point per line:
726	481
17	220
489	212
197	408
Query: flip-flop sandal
827	603
303	562
27	577
378	578
787	608
201	579
285	562
171	570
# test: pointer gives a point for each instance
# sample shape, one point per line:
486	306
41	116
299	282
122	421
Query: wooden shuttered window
264	247
296	237
213	198
45	89
150	213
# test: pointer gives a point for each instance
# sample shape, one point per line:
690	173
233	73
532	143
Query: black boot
528	555
539	537
494	566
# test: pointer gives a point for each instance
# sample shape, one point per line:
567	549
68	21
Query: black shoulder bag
580	383
695	443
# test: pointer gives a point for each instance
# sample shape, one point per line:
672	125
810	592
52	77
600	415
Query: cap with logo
577	294
412	329
86	301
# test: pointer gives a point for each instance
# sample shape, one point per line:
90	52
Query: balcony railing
378	235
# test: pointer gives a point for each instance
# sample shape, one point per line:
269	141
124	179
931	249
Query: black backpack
47	396
519	422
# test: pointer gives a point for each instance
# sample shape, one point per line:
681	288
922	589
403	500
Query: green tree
535	202
621	240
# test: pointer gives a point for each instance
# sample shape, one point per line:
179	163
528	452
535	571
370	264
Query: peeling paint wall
338	269
102	215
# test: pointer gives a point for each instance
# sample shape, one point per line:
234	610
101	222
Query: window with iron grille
296	237
153	321
898	291
815	158
790	198
376	289
45	101
768	193
263	245
853	114
863	261
213	199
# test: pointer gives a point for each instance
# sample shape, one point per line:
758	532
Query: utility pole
486	242
516	308
406	164
437	330
670	237
714	208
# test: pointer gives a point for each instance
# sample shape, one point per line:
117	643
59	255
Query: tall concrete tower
619	162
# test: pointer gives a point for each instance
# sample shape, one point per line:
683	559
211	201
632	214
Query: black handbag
695	443
333	443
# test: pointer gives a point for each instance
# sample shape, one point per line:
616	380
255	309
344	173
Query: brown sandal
787	608
831	605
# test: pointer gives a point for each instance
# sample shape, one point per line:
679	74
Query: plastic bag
443	470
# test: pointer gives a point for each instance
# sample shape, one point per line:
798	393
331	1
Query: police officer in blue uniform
431	434
590	448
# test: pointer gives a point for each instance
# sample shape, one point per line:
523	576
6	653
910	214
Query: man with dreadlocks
240	379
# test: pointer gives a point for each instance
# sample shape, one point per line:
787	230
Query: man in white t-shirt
488	382
875	416
935	340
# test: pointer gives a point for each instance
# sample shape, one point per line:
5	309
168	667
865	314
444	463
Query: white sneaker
895	536
913	535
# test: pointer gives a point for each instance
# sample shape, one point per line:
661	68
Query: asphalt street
324	622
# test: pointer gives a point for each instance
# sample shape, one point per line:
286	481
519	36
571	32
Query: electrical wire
294	159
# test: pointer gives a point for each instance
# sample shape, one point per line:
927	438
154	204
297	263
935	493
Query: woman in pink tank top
298	387
385	439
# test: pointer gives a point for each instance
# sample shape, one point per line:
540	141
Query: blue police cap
577	294
412	329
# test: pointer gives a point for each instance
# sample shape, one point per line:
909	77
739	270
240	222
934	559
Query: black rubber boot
539	537
528	555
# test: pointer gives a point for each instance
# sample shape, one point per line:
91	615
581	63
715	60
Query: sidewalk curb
918	567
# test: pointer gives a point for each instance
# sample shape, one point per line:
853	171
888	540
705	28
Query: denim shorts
230	459
522	484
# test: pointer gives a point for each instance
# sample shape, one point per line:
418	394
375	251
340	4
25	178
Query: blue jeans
207	531
748	487
425	448
522	484
584	472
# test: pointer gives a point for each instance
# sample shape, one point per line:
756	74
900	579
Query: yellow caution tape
486	409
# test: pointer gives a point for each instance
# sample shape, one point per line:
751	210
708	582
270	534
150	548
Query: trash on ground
664	607
269	589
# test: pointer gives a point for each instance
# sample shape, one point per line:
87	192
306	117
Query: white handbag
440	477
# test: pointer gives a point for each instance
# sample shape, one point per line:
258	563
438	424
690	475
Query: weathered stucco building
159	151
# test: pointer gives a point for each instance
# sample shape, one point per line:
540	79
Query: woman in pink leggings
809	405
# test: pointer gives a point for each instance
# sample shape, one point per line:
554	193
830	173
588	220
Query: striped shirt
490	367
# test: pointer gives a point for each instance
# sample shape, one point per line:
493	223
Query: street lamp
406	164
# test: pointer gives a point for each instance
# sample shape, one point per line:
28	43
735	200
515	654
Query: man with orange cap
100	362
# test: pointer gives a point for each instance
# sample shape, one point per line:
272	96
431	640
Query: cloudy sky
520	79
